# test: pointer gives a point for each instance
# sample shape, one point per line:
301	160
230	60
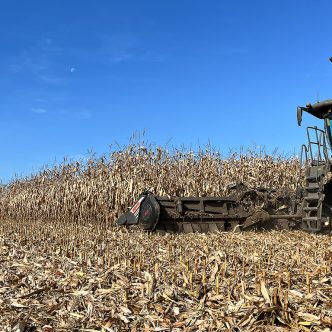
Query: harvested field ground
74	277
65	267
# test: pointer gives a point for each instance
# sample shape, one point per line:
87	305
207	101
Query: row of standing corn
98	189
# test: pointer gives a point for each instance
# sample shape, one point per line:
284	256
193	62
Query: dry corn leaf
264	292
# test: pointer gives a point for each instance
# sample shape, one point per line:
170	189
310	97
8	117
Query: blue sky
81	75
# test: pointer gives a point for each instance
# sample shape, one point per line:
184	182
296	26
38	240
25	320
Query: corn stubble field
64	266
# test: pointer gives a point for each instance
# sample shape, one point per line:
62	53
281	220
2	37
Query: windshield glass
328	129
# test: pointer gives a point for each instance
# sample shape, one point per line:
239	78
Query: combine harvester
309	209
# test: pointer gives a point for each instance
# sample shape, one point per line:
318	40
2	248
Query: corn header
308	209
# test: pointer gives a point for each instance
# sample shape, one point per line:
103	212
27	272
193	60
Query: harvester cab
321	110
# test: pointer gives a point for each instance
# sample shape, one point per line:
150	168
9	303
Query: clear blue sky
79	75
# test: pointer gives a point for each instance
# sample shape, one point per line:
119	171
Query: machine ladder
317	164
